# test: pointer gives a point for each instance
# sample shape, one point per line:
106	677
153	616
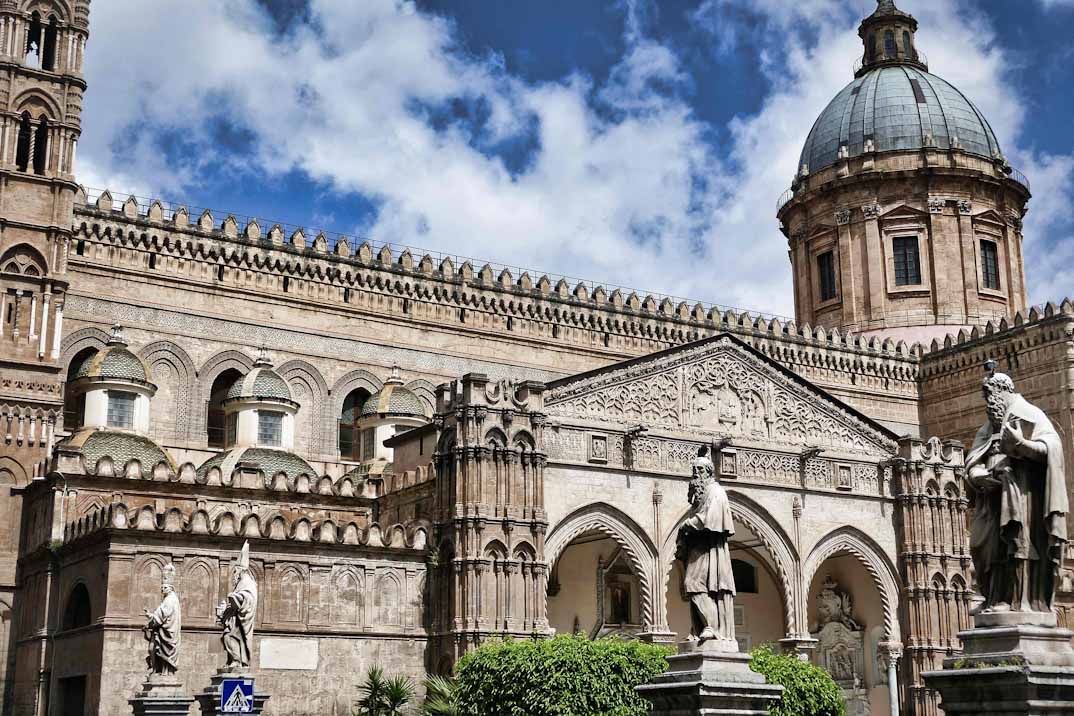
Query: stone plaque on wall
598	448
290	654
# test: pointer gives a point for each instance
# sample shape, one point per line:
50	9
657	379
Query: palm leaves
384	696
440	697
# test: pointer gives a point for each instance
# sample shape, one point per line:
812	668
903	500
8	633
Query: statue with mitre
237	613
1015	472
703	546
163	627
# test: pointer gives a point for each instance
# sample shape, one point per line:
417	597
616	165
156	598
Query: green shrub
382	696
562	676
808	690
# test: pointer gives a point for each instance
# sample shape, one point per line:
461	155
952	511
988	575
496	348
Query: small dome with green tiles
121	447
114	362
267	460
261	383
394	401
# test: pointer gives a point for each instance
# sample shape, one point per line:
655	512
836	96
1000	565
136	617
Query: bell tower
42	48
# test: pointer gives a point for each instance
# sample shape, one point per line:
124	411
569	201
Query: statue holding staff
236	613
162	628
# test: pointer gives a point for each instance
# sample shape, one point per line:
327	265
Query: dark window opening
510	323
48	59
907	44
349	442
826	272
78	612
406	305
72	695
555	331
152	261
286	284
22	150
607	339
990	264
219	273
462	315
10	317
33	41
215	424
74	406
907	261
80	247
872	47
41	147
745	575
889	45
346	295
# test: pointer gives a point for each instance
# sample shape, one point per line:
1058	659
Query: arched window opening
22	150
41	147
889	45
74	406
48	59
78	612
907	45
215	426
152	261
350	443
33	41
220	273
80	247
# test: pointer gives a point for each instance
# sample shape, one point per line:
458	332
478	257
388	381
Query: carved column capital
937	204
842	217
871	211
965	207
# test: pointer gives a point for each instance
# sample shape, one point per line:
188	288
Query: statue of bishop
1016	475
703	546
162	628
236	613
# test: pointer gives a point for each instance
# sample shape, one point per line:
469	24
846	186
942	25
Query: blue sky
633	142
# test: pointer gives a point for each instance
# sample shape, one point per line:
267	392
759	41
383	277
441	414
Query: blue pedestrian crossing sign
237	696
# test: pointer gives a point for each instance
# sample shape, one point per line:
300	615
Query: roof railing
1020	178
917	56
784	199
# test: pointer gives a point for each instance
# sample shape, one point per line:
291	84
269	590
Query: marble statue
1015	472
835	605
162	628
702	544
236	613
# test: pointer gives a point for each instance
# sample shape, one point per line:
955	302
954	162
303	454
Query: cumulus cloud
621	180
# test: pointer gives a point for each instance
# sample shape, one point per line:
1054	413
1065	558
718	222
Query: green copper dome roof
898	107
114	362
394	400
261	382
267	460
119	446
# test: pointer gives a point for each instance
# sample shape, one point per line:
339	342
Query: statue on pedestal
236	613
162	628
1016	474
702	544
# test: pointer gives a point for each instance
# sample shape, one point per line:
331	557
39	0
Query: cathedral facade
425	452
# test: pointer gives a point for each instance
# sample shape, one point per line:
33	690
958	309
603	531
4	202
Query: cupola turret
904	218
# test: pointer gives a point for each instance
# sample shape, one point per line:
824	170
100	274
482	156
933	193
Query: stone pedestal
209	699
1008	669
712	679
161	696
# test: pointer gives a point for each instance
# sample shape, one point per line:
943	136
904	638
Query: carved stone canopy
718	386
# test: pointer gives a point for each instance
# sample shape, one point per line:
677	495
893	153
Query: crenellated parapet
548	314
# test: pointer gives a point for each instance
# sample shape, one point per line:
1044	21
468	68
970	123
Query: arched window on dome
41	147
74	405
215	424
22	149
908	45
350	444
890	50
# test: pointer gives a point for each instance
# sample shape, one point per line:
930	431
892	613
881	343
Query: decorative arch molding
639	549
26	255
60	8
300	371
91	337
776	542
355	379
208	372
425	391
37	103
16	469
876	563
179	360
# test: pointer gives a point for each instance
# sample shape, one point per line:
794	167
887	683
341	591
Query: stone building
425	452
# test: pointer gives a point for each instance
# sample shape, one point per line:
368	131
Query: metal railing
915	57
169	209
1021	178
784	199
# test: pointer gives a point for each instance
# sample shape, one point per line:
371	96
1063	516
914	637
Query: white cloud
623	186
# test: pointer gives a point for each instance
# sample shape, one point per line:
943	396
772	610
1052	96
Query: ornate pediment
718	387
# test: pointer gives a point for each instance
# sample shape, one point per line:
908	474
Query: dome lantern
889	38
259	410
113	388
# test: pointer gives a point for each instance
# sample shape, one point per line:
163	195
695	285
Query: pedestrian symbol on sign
237	696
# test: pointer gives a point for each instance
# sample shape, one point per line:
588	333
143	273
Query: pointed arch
776	542
309	389
83	338
873	558
354	380
207	375
639	548
172	371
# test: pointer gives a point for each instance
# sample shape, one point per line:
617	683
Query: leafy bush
808	690
562	676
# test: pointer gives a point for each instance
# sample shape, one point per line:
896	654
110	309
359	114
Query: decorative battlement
118	516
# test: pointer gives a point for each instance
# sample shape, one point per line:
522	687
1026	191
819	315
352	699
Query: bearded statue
1016	477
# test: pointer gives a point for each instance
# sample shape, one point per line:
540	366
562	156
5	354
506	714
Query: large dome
898	107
